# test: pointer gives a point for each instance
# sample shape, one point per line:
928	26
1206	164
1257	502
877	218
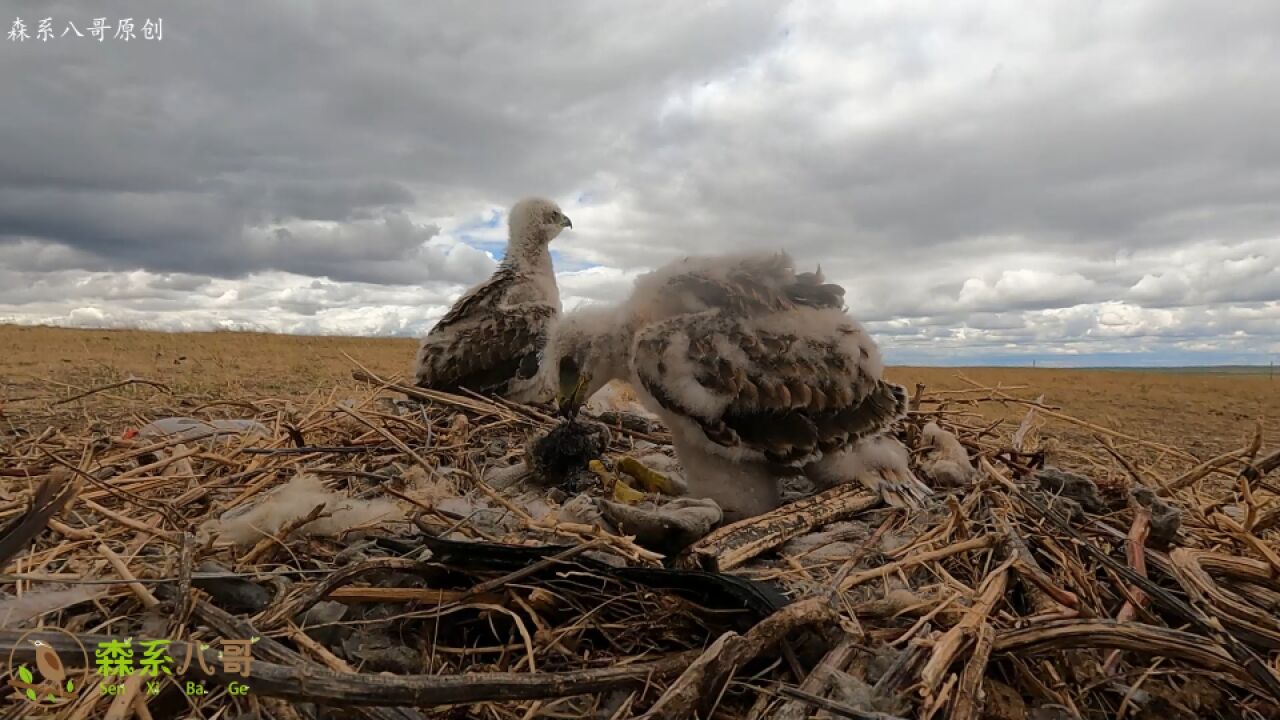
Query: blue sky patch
496	248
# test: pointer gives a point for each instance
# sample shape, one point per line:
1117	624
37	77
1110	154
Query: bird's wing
49	664
482	344
486	294
490	353
787	387
741	284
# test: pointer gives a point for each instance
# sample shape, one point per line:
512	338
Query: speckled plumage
757	369
493	339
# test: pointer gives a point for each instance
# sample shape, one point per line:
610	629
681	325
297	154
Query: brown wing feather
50	496
487	357
486	293
790	396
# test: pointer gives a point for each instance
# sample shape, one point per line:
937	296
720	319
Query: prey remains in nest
560	457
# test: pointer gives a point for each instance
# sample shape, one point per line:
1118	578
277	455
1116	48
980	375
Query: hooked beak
571	396
567	222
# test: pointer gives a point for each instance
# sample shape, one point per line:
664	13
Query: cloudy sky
1074	182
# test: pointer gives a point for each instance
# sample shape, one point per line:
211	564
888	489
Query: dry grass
1200	412
987	601
1203	413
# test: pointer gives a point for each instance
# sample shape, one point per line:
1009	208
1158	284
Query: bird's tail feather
906	492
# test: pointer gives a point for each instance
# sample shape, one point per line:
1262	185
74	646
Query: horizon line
1103	360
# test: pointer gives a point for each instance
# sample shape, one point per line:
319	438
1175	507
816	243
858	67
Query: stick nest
1119	579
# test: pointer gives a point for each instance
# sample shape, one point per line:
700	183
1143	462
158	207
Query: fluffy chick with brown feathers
492	341
757	370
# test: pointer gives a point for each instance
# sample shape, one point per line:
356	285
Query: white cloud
1021	288
987	180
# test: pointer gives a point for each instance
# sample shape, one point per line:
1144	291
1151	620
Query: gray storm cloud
987	181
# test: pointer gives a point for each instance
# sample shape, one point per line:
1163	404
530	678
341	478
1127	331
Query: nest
378	577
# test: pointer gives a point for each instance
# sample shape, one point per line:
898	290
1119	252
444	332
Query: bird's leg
827	472
651	480
741	489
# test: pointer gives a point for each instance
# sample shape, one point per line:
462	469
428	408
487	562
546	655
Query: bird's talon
601	472
650	480
625	494
621	491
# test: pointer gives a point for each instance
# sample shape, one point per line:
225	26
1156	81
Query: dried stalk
700	684
735	544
